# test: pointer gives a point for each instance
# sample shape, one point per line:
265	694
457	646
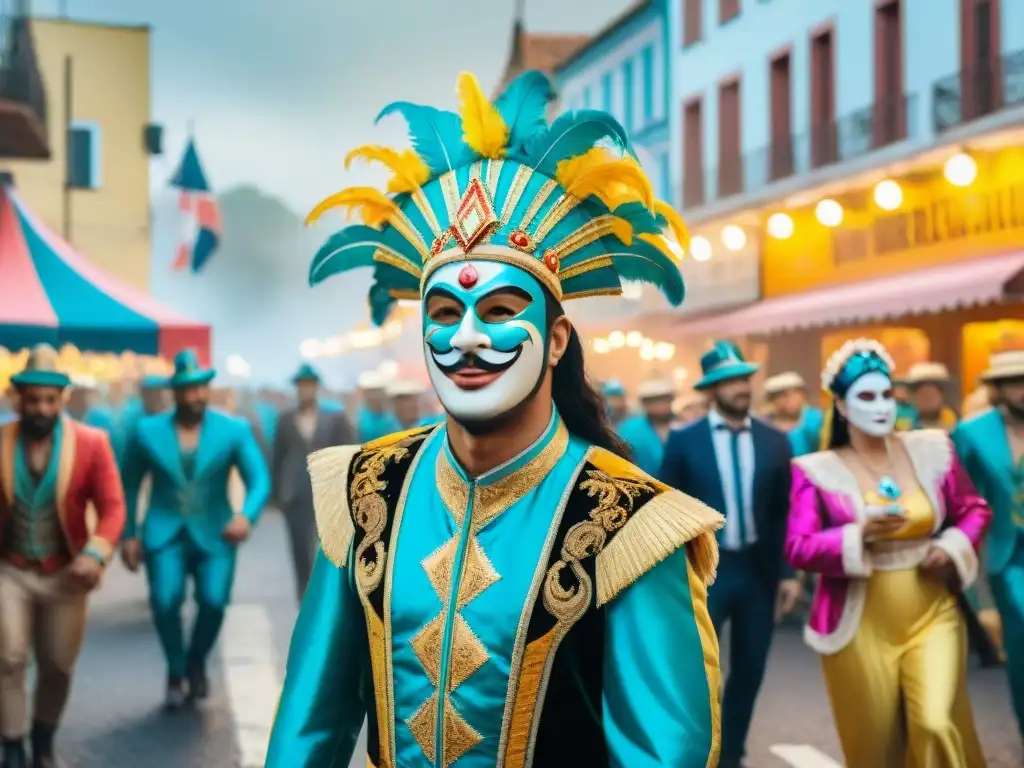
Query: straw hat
655	388
370	381
926	373
83	381
1005	365
783	382
406	388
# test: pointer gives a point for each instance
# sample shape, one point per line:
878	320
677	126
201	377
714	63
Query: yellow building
106	217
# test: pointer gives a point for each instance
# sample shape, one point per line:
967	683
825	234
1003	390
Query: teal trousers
168	570
1008	593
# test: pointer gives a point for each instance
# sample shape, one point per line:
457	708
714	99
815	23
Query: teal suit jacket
198	505
647	447
985	453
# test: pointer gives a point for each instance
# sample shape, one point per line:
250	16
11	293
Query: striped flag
200	214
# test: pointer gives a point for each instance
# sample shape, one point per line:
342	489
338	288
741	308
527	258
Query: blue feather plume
640	218
381	303
523	106
573	134
353	248
436	135
646	263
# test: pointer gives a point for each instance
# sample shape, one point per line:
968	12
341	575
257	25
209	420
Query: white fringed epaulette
328	474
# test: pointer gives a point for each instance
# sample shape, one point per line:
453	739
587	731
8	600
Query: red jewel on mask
468	276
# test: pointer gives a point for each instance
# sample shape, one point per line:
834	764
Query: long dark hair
839	434
579	403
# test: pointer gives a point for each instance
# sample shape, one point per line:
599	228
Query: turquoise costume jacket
805	437
647	446
557	603
197	504
373	426
985	453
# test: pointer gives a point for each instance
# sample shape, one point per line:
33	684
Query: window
887	125
693	154
693	21
728	10
647	72
628	96
730	150
606	92
83	156
824	149
981	67
781	116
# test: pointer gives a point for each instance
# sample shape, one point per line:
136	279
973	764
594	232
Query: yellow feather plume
409	172
662	243
376	208
483	128
675	222
612	180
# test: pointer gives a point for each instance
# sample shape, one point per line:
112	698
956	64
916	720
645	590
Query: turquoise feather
523	106
354	247
646	263
571	135
381	302
436	135
640	218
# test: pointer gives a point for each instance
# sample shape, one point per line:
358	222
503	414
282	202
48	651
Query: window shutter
80	159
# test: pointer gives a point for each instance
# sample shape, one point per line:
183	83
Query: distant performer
190	530
51	468
300	432
787	395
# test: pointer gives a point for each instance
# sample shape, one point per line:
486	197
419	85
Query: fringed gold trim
328	474
396	260
515	192
538	201
499	254
661	526
493	174
587	265
450	191
422	204
591	232
565	205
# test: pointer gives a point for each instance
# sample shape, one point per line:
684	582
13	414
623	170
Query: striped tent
50	293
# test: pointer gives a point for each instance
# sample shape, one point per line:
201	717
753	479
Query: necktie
737	479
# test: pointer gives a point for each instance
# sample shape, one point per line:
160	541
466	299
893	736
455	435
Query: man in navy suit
739	466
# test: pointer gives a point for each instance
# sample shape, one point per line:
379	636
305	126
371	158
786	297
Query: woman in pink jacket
892	524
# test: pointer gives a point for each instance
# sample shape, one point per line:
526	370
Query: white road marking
804	756
252	679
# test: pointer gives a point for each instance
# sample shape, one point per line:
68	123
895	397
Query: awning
964	284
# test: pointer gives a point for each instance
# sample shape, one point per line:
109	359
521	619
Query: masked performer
503	590
892	524
190	529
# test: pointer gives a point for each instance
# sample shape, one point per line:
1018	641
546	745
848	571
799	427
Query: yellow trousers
898	690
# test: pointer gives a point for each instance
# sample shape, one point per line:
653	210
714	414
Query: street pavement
114	718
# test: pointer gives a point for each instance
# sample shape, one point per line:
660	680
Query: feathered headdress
567	202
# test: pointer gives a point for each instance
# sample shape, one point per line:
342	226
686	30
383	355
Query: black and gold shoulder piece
342	475
646	522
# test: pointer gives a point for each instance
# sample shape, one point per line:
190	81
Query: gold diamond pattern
468	654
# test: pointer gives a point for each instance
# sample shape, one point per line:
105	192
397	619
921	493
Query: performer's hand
85	572
790	591
878	525
131	554
938	564
238	529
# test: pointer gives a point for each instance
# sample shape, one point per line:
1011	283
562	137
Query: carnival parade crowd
533	574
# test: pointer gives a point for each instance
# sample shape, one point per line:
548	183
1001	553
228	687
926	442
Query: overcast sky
279	90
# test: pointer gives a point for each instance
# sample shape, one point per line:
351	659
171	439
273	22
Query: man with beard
645	433
190	529
991	447
299	432
739	464
928	384
516	592
51	468
787	396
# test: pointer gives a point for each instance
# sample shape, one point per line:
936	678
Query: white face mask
870	405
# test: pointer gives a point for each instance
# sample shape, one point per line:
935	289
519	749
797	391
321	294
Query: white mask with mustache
870	405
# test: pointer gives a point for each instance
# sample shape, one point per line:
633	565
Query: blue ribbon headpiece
567	202
855	359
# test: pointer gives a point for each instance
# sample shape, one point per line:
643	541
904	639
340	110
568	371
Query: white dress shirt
721	438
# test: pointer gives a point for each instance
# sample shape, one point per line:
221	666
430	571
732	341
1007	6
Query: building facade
877	172
94	188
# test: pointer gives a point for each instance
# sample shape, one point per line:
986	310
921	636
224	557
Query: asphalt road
114	718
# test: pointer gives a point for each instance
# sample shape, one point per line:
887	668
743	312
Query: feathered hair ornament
567	201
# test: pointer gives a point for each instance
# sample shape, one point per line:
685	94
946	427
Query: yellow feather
376	208
662	244
612	180
675	223
483	128
409	172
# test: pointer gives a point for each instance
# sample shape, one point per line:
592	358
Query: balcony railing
984	89
847	138
22	95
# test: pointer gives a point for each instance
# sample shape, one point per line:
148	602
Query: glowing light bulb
960	170
616	339
601	346
700	249
888	195
734	238
780	226
829	213
664	351
634	339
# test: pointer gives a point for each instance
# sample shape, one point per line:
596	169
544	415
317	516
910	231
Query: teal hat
41	370
567	203
722	362
188	372
306	372
153	382
613	388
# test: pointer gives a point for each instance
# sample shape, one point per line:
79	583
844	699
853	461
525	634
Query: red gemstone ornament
468	276
551	261
521	241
